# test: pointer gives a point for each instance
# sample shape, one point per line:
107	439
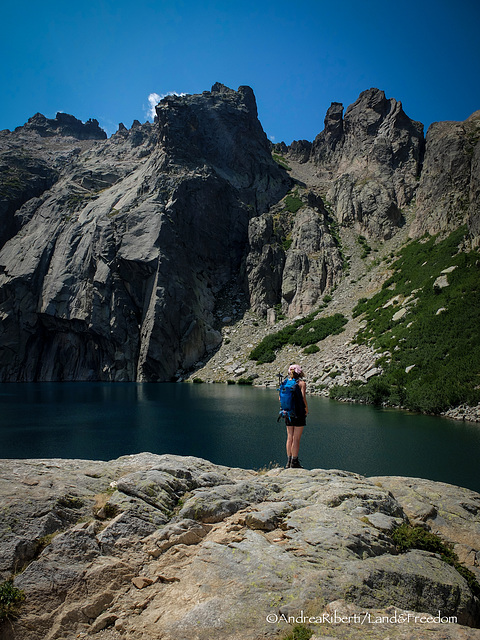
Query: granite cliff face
368	162
151	546
120	256
292	259
373	164
449	188
370	171
114	270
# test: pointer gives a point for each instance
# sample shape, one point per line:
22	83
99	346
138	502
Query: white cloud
272	138
154	99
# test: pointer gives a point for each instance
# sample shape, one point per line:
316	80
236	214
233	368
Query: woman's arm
303	388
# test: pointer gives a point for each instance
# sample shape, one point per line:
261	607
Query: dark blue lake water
231	425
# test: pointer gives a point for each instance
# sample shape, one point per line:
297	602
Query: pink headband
297	368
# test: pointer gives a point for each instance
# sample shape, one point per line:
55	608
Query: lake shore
232	425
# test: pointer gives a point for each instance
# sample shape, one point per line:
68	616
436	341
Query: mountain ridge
130	258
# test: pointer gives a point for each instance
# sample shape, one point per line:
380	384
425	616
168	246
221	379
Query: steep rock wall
293	258
369	162
114	275
449	189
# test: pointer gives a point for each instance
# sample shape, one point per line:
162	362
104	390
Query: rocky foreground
161	546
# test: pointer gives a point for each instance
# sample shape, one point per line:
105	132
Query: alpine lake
230	425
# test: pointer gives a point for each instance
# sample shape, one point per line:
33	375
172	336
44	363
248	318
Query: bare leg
295	447
290	435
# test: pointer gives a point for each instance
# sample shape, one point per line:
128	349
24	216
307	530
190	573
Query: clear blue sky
102	59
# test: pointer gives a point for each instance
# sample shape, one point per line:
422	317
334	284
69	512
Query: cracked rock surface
163	546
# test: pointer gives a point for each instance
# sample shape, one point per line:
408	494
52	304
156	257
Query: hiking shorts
296	422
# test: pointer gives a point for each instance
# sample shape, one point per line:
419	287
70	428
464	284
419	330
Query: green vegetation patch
279	315
281	161
284	218
299	632
287	242
311	349
366	248
10	599
407	537
304	332
293	203
429	333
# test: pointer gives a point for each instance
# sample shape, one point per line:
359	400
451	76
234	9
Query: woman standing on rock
295	424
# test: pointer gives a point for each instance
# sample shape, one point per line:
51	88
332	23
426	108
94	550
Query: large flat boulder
151	546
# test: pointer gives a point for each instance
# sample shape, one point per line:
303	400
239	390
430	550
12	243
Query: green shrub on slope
303	333
431	355
407	537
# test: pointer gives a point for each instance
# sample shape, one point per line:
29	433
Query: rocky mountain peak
372	121
220	127
218	87
243	90
333	131
367	161
64	125
365	116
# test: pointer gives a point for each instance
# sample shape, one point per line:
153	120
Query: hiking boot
289	462
295	464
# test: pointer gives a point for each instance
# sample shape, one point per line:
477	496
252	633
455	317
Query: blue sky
103	59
